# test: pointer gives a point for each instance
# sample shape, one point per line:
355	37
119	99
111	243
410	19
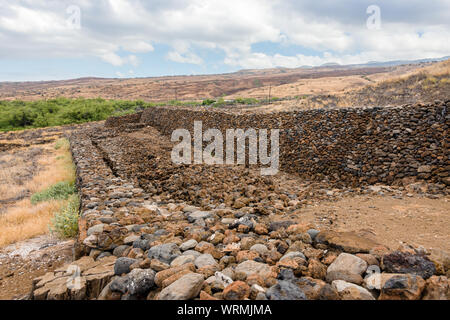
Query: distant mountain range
386	63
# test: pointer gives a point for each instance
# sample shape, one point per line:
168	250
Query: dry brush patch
24	172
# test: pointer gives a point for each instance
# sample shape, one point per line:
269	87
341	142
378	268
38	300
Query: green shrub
65	222
58	191
208	102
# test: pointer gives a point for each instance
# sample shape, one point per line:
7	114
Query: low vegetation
59	191
19	115
64	223
16	115
49	181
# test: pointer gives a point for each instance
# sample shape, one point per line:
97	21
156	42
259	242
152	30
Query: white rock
185	288
341	285
260	248
205	260
179	261
98	228
252	267
130	239
347	267
190	244
222	278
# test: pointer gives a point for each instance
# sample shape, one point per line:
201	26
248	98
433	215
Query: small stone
190	244
122	265
313	233
91	241
347	267
316	289
157	265
402	262
360	293
401	287
260	248
238	290
316	269
140	281
130	239
98	228
164	274
142	244
285	290
178	261
346	241
185	288
191	253
205	260
164	252
119	251
252	267
205	296
437	288
293	254
370	259
424	169
200	215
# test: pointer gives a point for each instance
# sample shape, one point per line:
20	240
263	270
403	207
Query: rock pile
146	235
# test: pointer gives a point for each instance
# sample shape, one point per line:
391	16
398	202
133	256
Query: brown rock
401	287
437	288
163	275
168	281
346	241
246	255
157	265
316	289
370	259
205	296
316	269
238	290
261	229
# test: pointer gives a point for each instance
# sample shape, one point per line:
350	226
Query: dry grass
24	220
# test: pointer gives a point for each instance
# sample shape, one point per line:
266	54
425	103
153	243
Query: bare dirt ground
24	261
415	220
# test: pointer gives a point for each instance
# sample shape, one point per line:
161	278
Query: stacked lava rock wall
352	146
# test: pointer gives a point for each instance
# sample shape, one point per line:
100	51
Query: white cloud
116	31
188	57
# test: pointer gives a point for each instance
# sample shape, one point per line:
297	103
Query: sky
66	39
